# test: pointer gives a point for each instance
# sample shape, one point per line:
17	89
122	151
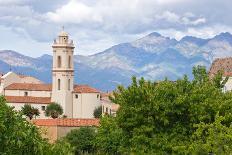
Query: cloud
74	12
96	25
12	2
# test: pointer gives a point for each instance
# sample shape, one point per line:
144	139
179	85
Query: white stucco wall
228	85
29	79
18	107
109	107
85	104
30	93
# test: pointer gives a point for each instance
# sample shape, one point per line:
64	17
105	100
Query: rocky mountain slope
153	57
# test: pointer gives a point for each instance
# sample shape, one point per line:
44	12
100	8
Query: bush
82	139
97	112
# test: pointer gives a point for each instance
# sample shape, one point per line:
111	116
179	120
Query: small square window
25	93
76	95
43	108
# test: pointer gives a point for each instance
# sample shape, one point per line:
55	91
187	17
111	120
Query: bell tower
63	73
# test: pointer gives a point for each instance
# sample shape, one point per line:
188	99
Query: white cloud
169	1
96	25
12	2
74	12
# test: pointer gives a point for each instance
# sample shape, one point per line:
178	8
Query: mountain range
153	57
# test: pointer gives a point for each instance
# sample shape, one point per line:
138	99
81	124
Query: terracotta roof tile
29	86
72	122
84	89
28	99
221	64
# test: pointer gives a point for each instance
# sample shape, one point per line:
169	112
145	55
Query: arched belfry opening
69	84
69	62
58	84
59	62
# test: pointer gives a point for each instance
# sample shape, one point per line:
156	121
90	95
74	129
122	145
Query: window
59	61
69	62
76	95
25	93
58	84
107	110
110	111
43	108
69	83
97	95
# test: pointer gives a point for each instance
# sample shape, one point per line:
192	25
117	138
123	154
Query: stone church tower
63	73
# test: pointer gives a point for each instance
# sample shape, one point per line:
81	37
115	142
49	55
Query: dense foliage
97	112
30	111
82	140
170	117
166	117
54	110
18	136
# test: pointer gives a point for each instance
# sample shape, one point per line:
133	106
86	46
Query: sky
30	26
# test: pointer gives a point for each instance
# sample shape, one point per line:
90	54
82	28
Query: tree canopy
54	110
97	112
30	111
170	117
82	140
18	136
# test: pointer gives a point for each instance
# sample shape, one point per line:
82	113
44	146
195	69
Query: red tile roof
71	122
84	89
48	87
29	86
221	64
227	74
28	99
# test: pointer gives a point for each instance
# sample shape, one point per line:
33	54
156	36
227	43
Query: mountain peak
154	34
224	36
195	40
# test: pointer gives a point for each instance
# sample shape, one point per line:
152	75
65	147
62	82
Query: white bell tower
63	73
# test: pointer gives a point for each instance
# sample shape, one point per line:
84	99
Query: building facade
223	65
77	101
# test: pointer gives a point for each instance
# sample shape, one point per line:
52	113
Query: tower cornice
63	46
62	70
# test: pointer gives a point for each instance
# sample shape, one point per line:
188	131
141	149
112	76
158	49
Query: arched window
69	62
59	61
69	84
58	84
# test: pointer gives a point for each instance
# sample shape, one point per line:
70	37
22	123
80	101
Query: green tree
163	117
54	110
30	111
18	136
82	139
109	136
61	147
97	112
217	138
